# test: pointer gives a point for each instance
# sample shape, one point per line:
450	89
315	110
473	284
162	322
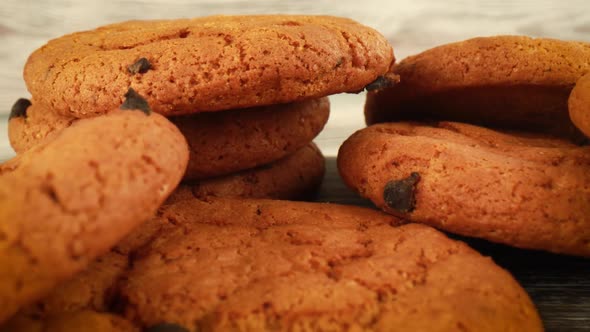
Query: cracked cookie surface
524	190
511	82
206	64
237	264
71	198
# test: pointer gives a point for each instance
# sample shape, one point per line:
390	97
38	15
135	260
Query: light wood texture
560	286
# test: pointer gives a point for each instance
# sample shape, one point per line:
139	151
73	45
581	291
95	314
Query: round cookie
206	64
220	142
528	191
296	176
89	185
87	321
511	82
579	105
258	265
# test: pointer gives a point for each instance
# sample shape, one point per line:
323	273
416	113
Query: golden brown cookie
69	199
226	142
87	321
296	176
237	264
206	64
579	104
504	81
220	142
524	190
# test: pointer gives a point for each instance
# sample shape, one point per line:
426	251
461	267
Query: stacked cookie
248	93
525	188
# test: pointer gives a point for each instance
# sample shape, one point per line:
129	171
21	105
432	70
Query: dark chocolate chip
19	109
141	66
166	327
400	194
133	101
383	82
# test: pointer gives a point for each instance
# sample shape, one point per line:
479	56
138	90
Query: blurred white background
410	25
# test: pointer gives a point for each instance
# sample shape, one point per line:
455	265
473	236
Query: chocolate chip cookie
523	190
237	264
69	199
511	82
202	64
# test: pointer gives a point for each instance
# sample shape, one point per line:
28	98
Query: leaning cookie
90	185
296	176
527	191
88	321
220	142
579	105
504	81
212	63
257	265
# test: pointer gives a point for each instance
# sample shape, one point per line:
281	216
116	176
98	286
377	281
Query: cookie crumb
400	194
134	101
19	109
141	66
166	327
381	82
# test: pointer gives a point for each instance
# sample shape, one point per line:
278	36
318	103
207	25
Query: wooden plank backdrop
560	286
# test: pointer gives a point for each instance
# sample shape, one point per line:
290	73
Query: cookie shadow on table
559	285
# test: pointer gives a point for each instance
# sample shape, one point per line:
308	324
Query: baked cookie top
236	264
523	190
69	199
499	60
206	64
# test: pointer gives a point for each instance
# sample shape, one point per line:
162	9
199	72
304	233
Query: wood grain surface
559	285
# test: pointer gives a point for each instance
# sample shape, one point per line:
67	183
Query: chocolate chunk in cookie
134	101
400	194
141	66
19	109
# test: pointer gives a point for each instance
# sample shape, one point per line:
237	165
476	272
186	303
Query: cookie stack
512	172
248	93
86	242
